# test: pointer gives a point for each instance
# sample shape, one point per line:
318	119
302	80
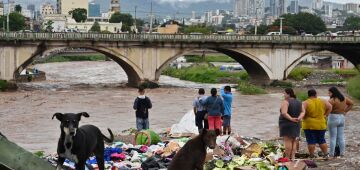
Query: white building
217	20
59	21
318	4
328	10
47	9
86	26
241	8
256	8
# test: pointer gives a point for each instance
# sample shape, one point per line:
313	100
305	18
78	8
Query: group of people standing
315	116
214	112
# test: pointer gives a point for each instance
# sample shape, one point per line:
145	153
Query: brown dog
192	155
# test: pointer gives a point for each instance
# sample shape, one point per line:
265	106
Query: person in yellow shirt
314	122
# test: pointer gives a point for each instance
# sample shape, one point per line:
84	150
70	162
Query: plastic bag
186	124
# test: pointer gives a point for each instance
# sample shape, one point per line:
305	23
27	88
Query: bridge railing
177	37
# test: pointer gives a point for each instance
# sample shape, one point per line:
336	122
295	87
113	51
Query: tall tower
115	6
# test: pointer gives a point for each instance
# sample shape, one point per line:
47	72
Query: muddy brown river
93	87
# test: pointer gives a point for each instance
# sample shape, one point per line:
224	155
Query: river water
26	114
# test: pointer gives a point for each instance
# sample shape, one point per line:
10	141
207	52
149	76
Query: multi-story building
328	10
31	7
241	8
352	7
65	6
256	8
115	6
94	10
47	9
305	3
27	13
294	6
318	4
274	8
282	7
1	8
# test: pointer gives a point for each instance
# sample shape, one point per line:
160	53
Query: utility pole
3	15
256	18
281	24
7	18
135	20
151	18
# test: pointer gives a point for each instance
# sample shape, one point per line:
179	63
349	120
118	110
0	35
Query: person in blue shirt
226	94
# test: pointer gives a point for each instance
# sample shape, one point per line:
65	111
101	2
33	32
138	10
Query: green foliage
39	154
299	73
209	59
95	27
75	58
282	84
346	72
18	8
249	89
261	30
126	19
353	87
205	74
79	14
16	21
352	23
3	85
48	26
303	21
301	95
198	29
106	32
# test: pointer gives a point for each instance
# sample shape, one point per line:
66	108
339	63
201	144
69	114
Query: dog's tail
109	140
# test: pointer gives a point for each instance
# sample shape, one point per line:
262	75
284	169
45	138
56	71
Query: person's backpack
142	108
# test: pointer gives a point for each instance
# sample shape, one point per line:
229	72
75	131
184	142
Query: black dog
78	144
192	155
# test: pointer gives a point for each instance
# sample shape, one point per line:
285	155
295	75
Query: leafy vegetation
75	58
39	154
16	21
79	14
48	26
353	87
352	23
299	73
282	84
249	89
205	74
197	59
332	80
301	95
18	8
96	27
3	85
126	19
346	72
198	29
302	21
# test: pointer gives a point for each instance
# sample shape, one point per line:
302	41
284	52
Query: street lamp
281	24
7	17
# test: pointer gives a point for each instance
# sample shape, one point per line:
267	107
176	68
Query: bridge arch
257	70
347	54
132	71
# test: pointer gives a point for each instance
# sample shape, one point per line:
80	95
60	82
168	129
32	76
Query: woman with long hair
341	105
292	111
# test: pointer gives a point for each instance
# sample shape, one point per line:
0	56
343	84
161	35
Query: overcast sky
344	1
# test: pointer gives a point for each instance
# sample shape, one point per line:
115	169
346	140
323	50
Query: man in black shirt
142	105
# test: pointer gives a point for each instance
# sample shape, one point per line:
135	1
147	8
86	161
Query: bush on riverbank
197	59
60	58
299	73
281	84
346	72
301	95
3	85
249	89
353	87
205	74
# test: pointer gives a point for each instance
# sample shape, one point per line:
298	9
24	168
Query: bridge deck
286	39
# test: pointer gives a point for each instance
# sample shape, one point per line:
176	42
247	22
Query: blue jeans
142	123
336	124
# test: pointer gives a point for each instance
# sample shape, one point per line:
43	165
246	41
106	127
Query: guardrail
177	38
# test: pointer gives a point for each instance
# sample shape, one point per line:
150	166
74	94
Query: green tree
16	21
126	20
352	23
303	22
48	26
79	14
199	29
95	27
18	8
261	29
